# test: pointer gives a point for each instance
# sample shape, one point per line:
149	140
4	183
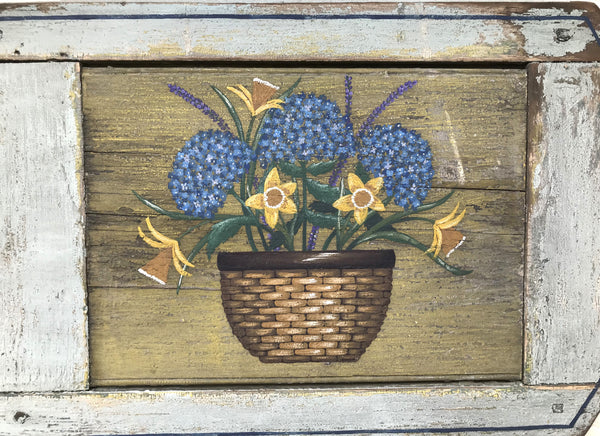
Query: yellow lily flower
445	237
158	268
275	198
362	199
258	101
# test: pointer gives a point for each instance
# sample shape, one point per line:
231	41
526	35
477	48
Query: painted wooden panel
511	410
366	31
563	283
43	345
438	326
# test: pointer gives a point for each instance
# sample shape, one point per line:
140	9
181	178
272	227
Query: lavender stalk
199	104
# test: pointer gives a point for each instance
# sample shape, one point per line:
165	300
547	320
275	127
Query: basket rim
247	260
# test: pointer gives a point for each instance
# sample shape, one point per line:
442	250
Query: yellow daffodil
362	199
275	198
445	237
158	268
258	101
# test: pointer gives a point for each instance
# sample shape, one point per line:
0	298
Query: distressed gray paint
306	409
43	343
563	263
411	39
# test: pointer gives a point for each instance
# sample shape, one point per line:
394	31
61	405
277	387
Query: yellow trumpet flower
158	268
258	101
275	198
445	237
362	199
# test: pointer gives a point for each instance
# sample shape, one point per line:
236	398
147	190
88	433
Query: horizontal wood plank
421	409
474	120
364	31
438	326
494	220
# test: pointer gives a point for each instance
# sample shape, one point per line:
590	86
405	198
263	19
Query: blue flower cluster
402	158
308	127
205	169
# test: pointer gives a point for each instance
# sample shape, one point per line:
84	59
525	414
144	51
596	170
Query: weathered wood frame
43	314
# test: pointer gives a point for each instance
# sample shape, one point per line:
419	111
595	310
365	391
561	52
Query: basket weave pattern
306	315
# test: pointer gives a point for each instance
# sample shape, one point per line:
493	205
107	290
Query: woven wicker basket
306	306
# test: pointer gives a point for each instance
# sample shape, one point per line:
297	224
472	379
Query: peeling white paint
406	39
296	410
555	38
43	344
564	248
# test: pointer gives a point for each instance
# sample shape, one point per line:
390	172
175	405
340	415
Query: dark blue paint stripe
405	431
301	17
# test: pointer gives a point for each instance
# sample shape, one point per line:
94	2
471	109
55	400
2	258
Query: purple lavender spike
348	88
312	239
337	172
199	104
383	106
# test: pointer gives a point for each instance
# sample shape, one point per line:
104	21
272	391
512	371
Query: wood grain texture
563	278
369	410
411	32
43	345
473	119
438	326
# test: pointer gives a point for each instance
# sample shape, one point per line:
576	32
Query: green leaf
322	192
321	219
428	206
295	225
403	238
232	112
176	215
291	169
321	206
362	172
375	218
319	168
191	257
289	91
226	229
277	240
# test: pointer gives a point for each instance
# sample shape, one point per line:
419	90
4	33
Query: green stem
260	233
304	205
289	239
338	227
297	203
191	257
190	230
328	240
249	179
247	212
249	131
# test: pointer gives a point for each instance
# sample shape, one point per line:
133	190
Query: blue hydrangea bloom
205	169
402	158
308	127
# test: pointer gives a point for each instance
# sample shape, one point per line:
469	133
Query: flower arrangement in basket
302	293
